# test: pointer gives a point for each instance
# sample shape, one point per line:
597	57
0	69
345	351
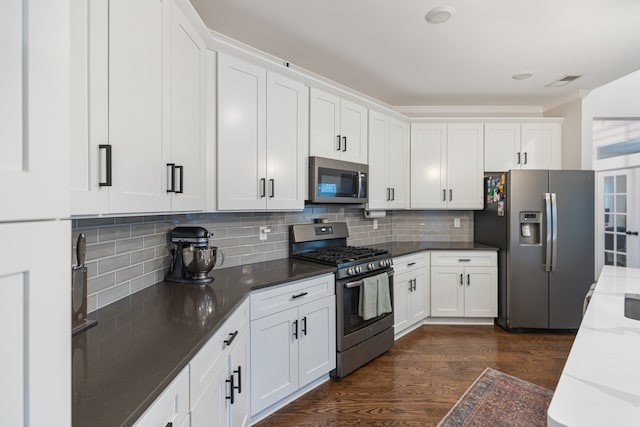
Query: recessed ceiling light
564	81
440	14
522	75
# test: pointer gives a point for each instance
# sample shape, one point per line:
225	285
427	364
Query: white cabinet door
324	123
287	143
35	325
316	339
401	290
419	297
274	359
447	292
481	292
171	407
465	170
211	407
398	164
353	130
241	134
239	368
34	109
541	146
135	107
428	170
502	147
184	84
379	191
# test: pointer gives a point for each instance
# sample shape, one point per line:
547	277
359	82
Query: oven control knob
358	269
382	263
351	271
370	266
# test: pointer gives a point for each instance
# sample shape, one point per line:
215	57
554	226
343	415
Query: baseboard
481	321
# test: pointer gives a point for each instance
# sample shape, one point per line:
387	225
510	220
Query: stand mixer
192	258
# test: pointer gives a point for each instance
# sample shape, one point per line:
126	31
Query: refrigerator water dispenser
530	230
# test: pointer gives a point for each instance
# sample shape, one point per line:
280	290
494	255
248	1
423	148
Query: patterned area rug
497	399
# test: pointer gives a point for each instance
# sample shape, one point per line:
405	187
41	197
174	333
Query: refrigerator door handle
548	217
554	236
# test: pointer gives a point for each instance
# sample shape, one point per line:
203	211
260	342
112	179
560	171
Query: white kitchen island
600	383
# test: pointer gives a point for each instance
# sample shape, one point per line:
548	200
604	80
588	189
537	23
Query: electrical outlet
263	232
375	224
456	222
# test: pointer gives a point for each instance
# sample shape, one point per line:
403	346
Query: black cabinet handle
304	325
107	182
181	170
344	139
631	233
172	173
239	386
461	280
388	194
301	294
410	264
468	279
450	194
415	284
272	183
518	162
410	285
295	329
339	146
263	187
232	336
231	389
169	424
525	157
393	194
444	195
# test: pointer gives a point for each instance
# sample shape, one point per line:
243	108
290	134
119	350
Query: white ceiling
385	49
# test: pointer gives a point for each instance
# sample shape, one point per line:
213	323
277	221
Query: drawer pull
461	280
231	389
301	294
232	336
295	329
410	264
464	259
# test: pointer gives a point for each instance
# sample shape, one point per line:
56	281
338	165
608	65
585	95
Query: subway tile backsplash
127	254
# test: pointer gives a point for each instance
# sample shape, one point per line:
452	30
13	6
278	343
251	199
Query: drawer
410	262
464	258
203	363
277	298
172	406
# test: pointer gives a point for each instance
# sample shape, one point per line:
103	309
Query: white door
418	299
379	191
274	359
541	146
465	170
211	408
401	293
242	177
398	164
617	218
135	107
447	292
502	147
35	324
481	285
184	84
353	129
428	170
317	339
239	366
34	109
287	142
324	124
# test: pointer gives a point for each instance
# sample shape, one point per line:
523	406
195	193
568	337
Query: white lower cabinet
293	339
464	284
220	375
171	408
411	292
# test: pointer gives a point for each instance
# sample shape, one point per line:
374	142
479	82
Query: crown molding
468	109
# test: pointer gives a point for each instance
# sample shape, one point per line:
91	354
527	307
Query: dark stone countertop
142	342
405	248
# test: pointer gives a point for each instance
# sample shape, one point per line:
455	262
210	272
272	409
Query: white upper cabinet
447	165
532	144
137	124
388	162
262	138
338	128
34	115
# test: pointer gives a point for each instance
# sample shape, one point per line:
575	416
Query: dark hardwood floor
424	375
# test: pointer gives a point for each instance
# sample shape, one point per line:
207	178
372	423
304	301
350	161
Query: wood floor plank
424	375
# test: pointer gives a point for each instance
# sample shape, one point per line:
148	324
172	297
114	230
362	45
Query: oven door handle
357	283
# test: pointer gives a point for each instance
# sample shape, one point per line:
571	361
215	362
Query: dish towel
384	298
368	304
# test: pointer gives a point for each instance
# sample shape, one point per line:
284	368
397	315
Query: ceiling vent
564	81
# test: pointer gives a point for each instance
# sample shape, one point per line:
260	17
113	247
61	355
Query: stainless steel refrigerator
543	223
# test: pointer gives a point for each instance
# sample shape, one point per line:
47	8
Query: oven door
352	329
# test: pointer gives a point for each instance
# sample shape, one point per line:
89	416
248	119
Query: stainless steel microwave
337	181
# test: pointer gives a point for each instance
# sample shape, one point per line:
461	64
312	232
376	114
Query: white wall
571	132
617	99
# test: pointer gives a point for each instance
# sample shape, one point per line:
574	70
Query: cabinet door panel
324	124
317	339
481	292
135	107
287	142
418	299
401	293
34	113
353	126
465	153
502	147
541	144
428	171
172	406
447	292
378	177
241	134
274	359
398	166
239	367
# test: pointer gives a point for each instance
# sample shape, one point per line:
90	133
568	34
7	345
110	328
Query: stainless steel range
361	336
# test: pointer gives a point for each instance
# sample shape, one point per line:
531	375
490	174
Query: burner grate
341	255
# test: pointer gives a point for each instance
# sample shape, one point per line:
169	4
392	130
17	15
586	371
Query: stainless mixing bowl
200	261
